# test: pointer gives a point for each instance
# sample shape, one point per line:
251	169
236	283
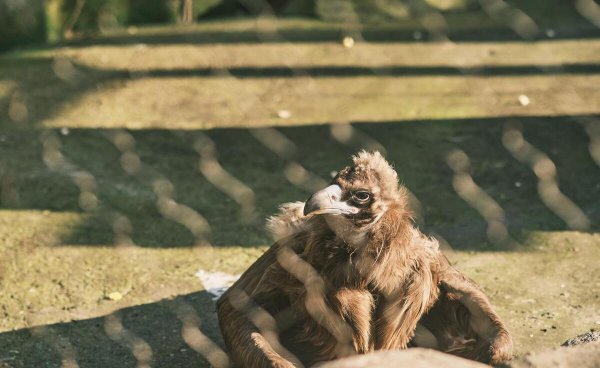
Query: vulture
350	273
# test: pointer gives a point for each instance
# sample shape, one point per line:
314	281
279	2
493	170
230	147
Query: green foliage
202	6
85	16
30	21
21	22
229	8
92	16
99	14
149	11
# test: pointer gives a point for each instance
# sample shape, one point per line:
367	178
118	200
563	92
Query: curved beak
328	201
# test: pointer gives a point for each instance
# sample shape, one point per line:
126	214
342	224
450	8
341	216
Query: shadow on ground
98	342
418	150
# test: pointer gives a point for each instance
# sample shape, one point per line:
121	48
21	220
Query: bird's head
359	197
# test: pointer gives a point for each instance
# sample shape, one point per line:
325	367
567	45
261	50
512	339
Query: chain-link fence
133	159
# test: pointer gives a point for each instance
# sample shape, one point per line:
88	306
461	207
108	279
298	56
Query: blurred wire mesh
434	22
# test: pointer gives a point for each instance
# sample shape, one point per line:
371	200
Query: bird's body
351	274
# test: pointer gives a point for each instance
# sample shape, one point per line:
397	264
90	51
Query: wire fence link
545	170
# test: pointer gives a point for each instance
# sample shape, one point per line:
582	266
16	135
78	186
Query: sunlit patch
231	57
139	275
37	227
184	103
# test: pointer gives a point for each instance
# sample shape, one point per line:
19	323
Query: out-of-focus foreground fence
194	147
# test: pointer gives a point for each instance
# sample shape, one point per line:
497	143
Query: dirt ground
131	162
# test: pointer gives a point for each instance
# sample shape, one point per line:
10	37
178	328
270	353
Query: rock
414	358
581	356
524	100
582	339
348	42
284	114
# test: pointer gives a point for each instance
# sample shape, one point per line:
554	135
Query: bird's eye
361	196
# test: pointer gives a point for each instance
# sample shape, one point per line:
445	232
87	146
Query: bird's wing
463	320
247	311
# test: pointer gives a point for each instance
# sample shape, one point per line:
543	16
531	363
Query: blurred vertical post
67	29
186	11
54	19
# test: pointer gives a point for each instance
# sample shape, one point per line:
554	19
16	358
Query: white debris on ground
115	296
348	42
524	100
284	114
216	283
